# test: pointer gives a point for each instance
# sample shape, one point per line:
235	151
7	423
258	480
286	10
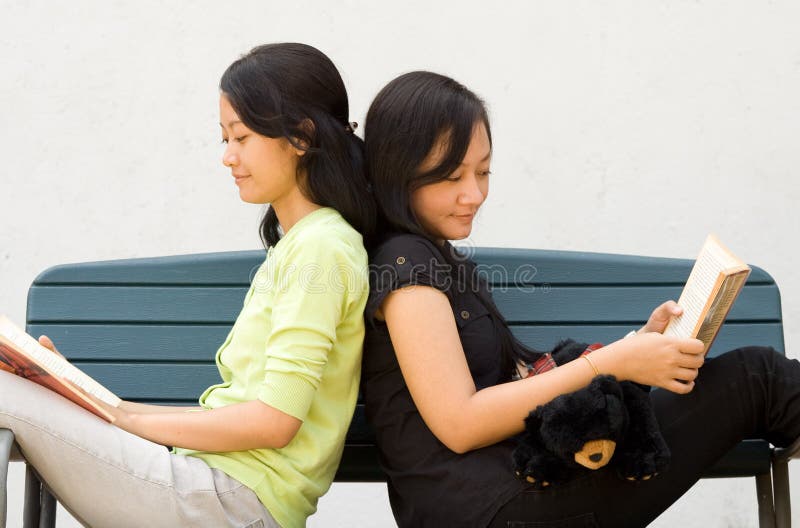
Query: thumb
48	344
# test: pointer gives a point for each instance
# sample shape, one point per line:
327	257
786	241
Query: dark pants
751	392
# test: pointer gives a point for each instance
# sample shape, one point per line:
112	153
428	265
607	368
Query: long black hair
294	91
409	117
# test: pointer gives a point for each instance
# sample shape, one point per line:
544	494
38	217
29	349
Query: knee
755	358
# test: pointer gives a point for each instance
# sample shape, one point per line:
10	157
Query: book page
55	363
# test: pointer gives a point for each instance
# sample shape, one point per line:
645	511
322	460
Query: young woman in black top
439	358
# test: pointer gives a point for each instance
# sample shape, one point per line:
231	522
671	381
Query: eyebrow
230	124
485	158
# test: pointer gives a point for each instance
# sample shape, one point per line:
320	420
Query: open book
22	355
714	283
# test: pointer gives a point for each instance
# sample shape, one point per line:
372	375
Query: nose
472	192
229	158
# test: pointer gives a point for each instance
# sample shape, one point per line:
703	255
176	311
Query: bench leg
766	507
32	505
47	518
40	505
783	506
6	442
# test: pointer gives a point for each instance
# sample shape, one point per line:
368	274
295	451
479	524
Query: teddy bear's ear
567	350
533	422
607	385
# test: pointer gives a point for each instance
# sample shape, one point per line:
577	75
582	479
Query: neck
291	209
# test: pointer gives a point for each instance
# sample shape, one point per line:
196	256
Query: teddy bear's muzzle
595	453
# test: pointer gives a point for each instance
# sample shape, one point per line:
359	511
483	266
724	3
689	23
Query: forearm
144	408
496	413
238	427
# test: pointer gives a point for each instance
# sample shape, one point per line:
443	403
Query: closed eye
236	139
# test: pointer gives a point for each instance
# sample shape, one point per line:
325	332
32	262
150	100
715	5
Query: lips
240	177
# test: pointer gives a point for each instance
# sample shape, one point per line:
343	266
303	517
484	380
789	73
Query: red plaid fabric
546	362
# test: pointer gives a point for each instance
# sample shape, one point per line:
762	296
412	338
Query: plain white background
619	126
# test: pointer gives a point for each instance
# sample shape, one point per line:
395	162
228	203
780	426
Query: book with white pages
24	356
713	285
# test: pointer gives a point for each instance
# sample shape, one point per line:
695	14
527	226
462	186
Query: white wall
627	126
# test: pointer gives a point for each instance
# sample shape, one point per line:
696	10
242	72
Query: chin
248	198
457	234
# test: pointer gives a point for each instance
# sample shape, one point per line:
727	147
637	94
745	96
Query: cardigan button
401	260
464	314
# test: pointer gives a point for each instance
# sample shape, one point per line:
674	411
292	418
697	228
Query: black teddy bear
583	429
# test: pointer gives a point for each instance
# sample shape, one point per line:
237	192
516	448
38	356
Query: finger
661	316
672	308
662	312
691	361
686	374
691	346
46	342
679	387
668	309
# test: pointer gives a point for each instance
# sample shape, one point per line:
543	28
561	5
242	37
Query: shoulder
405	260
406	250
327	238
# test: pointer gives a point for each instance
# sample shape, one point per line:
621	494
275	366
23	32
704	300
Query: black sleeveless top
430	485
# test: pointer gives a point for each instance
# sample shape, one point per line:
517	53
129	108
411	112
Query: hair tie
351	127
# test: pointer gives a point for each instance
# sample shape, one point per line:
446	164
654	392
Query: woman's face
265	169
447	208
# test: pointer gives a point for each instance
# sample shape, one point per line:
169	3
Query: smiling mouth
239	177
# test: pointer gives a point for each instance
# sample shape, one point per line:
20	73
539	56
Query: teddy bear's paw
520	458
645	477
540	469
638	465
530	479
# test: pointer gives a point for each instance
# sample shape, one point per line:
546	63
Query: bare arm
425	338
125	405
249	425
145	408
237	427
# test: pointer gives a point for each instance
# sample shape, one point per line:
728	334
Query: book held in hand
714	283
24	356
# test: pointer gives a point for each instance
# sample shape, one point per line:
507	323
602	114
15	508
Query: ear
301	145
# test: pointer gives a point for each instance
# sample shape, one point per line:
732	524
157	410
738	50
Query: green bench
148	330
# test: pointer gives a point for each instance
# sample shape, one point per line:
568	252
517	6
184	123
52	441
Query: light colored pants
107	477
